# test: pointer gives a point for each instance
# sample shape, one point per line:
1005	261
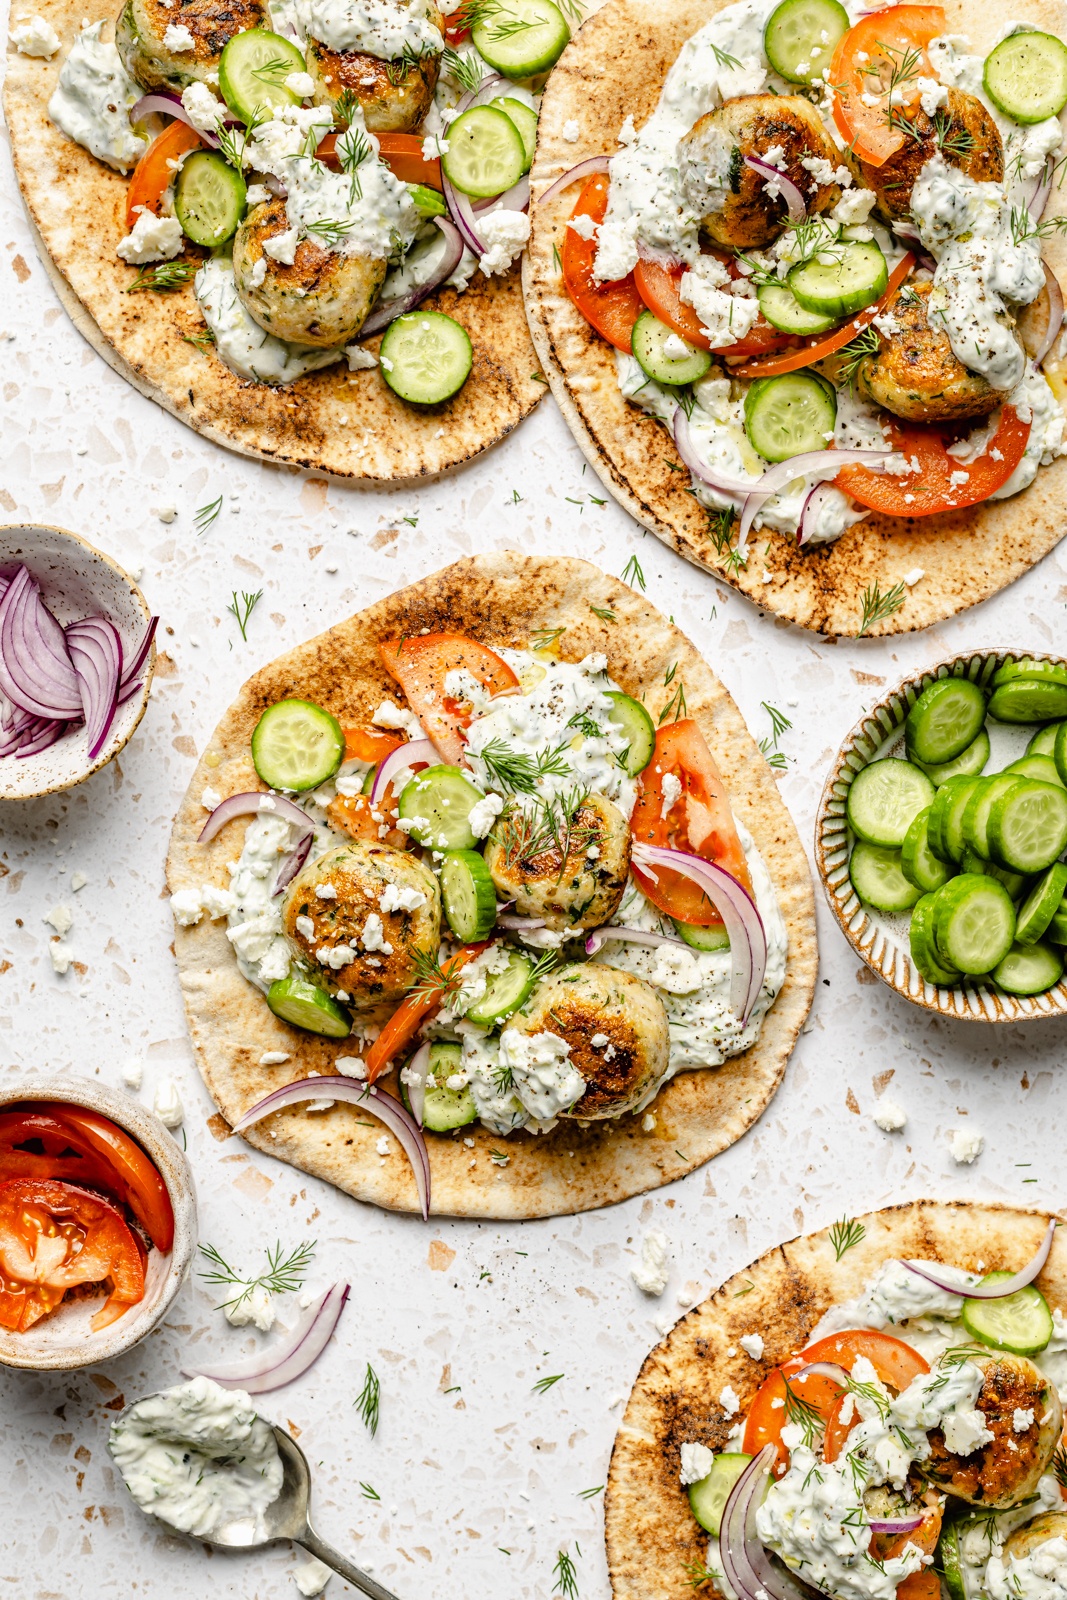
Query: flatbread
615	68
499	598
652	1536
348	425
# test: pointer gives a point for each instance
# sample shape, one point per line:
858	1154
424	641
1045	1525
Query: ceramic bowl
64	1340
76	581
880	938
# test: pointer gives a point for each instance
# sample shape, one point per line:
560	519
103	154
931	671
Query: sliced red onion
520	924
414	1076
96	653
823	1369
748	1568
413	753
1042	189
600	936
584	169
35	666
487	90
243	805
748	941
387	311
993	1291
1055	313
381	1105
276	186
802	466
171	106
137	660
288	1358
517	198
908	230
292	863
462	215
895	1524
787	189
810	514
738	488
47	734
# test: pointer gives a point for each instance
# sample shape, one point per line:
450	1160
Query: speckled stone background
479	1476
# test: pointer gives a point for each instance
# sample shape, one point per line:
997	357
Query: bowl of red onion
76	659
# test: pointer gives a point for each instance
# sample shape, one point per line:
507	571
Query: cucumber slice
428	203
637	726
703	938
1015	882
468	895
209	198
444	1109
485	153
979	808
789	415
297	745
917	861
800	35
1026	76
437	804
1043	768
974	923
947	717
1029	969
368	781
1021	1322
1027	667
525	120
1059	751
840	287
969	764
656	349
1029	700
1043	742
505	991
520	38
946	818
425	357
949	1562
924	951
782	308
253	68
1028	826
884	800
1056	932
708	1498
297	1000
1041	904
878	879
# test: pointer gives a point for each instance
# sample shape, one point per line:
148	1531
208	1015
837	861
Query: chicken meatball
142	26
730	198
1024	1541
964	133
1004	1471
616	1027
322	299
358	915
579	890
395	95
915	373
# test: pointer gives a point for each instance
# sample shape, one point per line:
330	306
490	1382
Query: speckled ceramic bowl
64	1340
76	581
881	938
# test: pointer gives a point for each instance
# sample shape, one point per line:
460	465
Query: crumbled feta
61	957
311	1576
752	1345
152	238
360	360
273	1058
583	226
255	1308
167	1104
383	1146
965	1431
696	1462
133	1074
671	789
484	814
340	955
966	1146
504	234
731	1405
889	1116
205	112
373	935
571	131
35	36
389	715
854	207
176	37
652	1271
912	578
325	891
396	898
210	798
61	918
78	881
301	84
1022	1419
546	1082
305	927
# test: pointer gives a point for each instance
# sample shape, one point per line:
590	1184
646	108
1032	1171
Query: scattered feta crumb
34	36
61	918
256	1308
484	813
300	83
373	933
696	1462
889	1116
652	1271
312	1575
571	131
675	349
305	927
966	1146
273	1058
395	897
133	1074
61	957
360	360
350	1066
205	111
912	578
165	513
648	1122
504	233
78	881
167	1104
731	1405
584	226
151	238
1022	1419
752	1345
382	1145
176	37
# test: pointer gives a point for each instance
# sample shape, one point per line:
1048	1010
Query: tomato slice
769	1411
152	176
928	488
134	1178
401	152
659	288
411	1013
420	663
610	308
353	814
368	744
884	51
33	1145
819	349
698	820
895	1362
53	1237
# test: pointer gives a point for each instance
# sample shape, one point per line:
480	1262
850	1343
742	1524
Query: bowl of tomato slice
97	1223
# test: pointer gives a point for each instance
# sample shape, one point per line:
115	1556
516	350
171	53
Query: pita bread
615	68
348	425
500	598
652	1536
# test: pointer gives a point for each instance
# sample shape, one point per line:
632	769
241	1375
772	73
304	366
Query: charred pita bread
500	599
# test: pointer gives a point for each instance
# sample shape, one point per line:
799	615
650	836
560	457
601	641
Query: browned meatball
962	130
322	299
581	890
395	95
1051	1525
1005	1471
915	374
142	23
729	197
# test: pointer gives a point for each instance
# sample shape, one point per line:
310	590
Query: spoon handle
315	1546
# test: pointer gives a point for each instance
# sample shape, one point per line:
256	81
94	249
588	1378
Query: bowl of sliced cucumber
942	833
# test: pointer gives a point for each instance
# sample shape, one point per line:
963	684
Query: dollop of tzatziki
246	348
93	99
388	29
199	1457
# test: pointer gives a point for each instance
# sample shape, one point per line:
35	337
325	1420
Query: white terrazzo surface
479	1476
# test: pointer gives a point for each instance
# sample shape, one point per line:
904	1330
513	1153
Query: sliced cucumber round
1043	768
1056	932
428	202
708	1498
969	764
946	718
1029	700
783	310
950	1562
1043	742
664	355
979	808
468	895
1031	669
924	951
1026	76
520	38
917	861
253	68
884	800
1015	882
1020	1322
525	120
437	804
297	745
505	991
1028	826
209	198
1059	750
800	35
1041	904
426	357
637	727
857	276
946	818
298	1000
974	923
703	938
878	879
444	1109
790	415
1029	969
485	153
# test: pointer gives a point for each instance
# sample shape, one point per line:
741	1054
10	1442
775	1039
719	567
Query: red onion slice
252	801
415	753
895	1524
517	198
396	1117
748	940
584	169
137	661
1055	313
600	936
520	924
288	1358
1042	189
387	311
802	466
993	1291
809	515
787	189
96	653
748	1568
171	106
292	863
414	1075
35	666
47	734
276	186
738	488
462	215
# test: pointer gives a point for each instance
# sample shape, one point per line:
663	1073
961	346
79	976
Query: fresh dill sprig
845	1234
878	606
331	230
164	276
697	1574
398	70
206	515
851	356
464	70
243	608
233	138
345	107
591	1494
499	1158
585	725
868	1392
369	1400
369	1493
433	979
633	575
353	148
284	1273
802	1413
1059	1466
203	340
896	119
1023	227
546	638
951	140
516	772
603	613
543	1385
526	832
565	1576
675	709
722	59
780	723
275	71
